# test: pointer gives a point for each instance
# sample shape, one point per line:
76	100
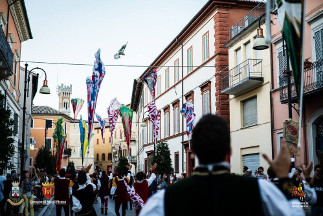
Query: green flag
126	114
291	19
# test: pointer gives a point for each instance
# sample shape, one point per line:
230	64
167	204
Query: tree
45	160
162	158
7	148
122	166
70	167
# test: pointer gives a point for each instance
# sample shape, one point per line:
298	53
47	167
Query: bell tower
64	95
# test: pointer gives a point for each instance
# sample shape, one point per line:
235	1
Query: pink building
312	130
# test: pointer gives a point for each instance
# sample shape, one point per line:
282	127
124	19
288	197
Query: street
51	210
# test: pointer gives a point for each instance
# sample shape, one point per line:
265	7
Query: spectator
249	172
260	173
26	186
2	193
245	168
213	191
7	188
317	183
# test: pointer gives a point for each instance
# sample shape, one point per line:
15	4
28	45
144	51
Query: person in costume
83	197
142	185
62	193
121	194
104	192
212	190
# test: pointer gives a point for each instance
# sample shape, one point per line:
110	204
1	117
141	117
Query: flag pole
301	94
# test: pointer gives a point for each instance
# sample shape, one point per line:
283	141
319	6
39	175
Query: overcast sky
72	31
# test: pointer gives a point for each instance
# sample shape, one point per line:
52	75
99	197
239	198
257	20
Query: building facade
42	129
188	70
64	98
248	82
14	30
75	146
312	133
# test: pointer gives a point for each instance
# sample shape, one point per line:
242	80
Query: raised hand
307	170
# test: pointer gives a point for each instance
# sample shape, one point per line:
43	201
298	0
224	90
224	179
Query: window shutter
15	126
318	38
251	161
250	112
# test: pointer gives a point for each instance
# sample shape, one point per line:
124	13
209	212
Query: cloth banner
154	116
150	79
59	141
102	124
83	137
77	104
126	114
188	112
113	112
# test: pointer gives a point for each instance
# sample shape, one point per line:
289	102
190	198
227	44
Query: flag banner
154	116
93	86
77	104
126	115
150	79
120	52
102	124
291	19
188	111
59	141
113	112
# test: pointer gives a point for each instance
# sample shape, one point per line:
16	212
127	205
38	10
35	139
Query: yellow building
102	150
248	82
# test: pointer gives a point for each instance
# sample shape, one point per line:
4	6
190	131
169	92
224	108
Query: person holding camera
317	183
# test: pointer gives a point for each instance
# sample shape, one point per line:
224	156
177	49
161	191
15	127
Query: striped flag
113	112
150	79
154	116
102	124
188	112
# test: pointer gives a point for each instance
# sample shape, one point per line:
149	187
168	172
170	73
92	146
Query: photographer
317	183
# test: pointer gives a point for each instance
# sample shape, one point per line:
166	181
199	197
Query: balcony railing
133	159
6	57
313	82
248	19
243	77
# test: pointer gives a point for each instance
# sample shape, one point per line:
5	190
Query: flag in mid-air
150	79
102	124
154	116
59	141
121	51
77	104
113	113
126	114
188	112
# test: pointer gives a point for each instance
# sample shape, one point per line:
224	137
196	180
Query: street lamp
260	42
44	90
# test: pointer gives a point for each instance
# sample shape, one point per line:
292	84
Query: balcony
244	77
313	82
67	152
247	20
133	159
6	57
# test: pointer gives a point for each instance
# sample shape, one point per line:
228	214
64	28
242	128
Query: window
206	102
279	139
238	56
189	97
190	59
250	112
30	161
251	161
144	135
103	157
49	123
176	162
146	165
248	50
205	42
97	141
109	139
48	143
124	152
129	151
15	123
318	44
109	156
15	70
146	96
158	86
97	157
282	66
166	79
176	117
150	131
166	120
176	71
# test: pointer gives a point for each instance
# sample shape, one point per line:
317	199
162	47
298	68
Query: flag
83	137
154	116
188	111
77	104
93	86
291	19
59	141
102	124
126	114
121	51
150	79
113	112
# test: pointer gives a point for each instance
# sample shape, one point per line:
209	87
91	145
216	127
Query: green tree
122	166
45	160
162	158
6	133
70	167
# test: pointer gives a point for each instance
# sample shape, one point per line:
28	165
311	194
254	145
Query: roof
46	110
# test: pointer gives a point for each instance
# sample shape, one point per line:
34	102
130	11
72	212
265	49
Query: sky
72	31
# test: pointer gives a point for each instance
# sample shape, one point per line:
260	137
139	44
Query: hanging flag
93	86
291	19
150	79
154	116
126	114
83	137
102	124
113	112
188	112
59	141
121	51
77	104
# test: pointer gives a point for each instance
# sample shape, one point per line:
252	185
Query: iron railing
6	54
247	20
247	69
133	159
313	81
